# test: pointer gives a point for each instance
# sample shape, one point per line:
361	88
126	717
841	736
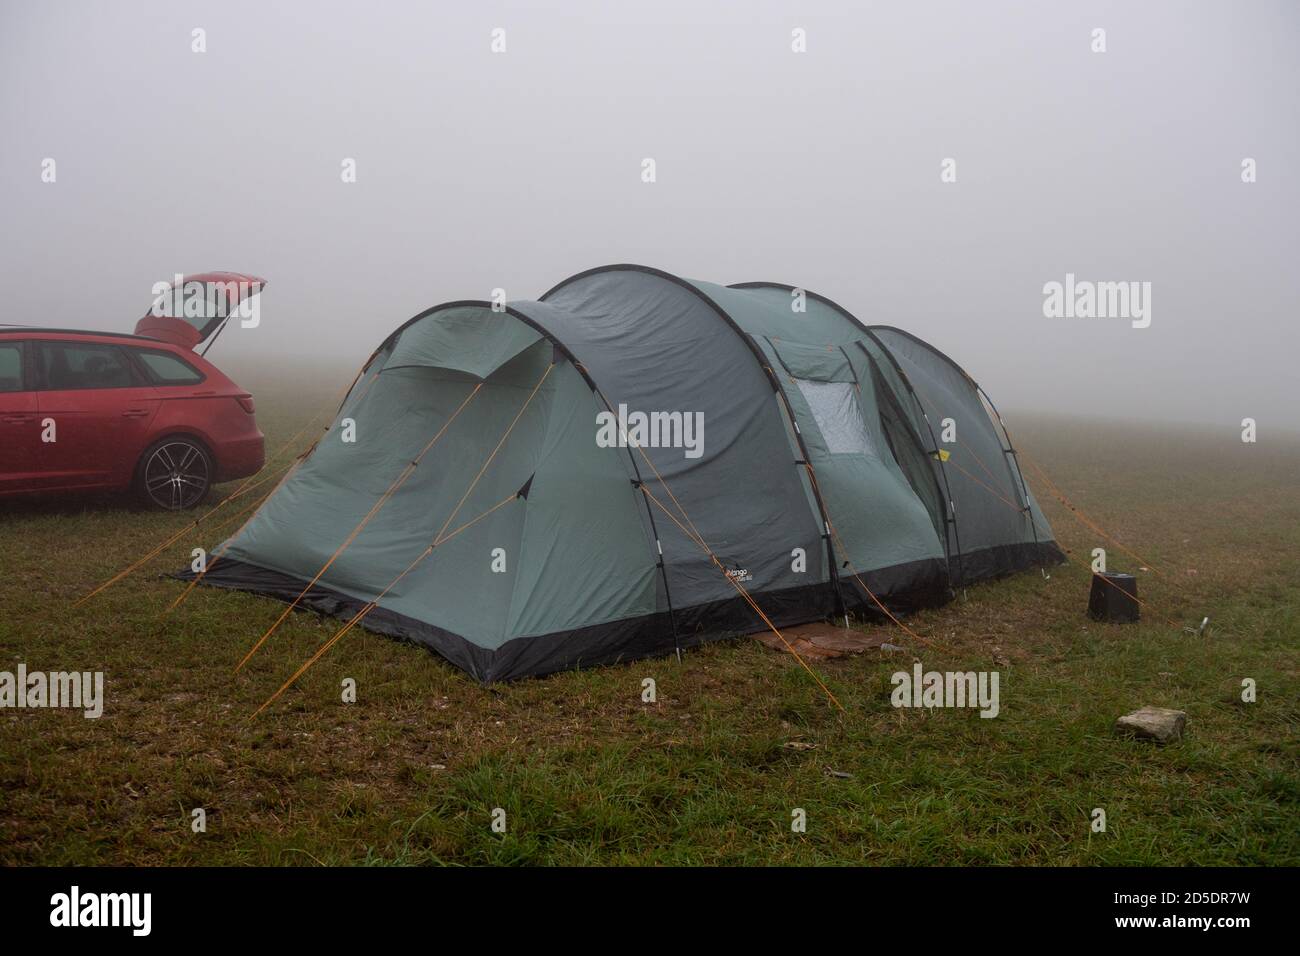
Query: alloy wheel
176	475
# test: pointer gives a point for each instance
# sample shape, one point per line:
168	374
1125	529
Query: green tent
635	463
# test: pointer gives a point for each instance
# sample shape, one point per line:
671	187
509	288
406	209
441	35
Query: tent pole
1024	489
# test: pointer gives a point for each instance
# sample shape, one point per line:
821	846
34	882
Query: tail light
246	402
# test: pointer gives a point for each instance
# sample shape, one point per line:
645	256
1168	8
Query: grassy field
588	774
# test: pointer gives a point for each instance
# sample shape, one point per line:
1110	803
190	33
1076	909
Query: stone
1159	724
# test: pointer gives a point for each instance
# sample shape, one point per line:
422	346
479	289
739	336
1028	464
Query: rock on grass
1153	723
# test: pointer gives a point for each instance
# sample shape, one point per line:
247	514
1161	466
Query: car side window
11	367
166	369
75	365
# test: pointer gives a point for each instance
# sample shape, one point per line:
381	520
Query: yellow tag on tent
942	455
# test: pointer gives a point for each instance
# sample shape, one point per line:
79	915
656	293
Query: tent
635	463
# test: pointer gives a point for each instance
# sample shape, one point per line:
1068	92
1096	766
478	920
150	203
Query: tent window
835	410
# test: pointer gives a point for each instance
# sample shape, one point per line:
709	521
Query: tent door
876	517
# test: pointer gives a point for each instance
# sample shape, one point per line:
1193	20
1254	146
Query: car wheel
175	474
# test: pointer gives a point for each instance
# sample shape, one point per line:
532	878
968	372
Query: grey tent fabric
622	466
980	469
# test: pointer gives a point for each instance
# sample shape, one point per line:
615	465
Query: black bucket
1114	598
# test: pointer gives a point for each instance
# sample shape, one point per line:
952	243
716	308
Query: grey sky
819	169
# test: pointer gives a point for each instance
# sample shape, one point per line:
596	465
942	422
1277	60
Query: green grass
588	774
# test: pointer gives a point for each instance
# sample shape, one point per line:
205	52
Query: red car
101	411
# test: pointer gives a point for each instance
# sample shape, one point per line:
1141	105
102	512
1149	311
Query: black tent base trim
921	584
1004	559
608	643
909	586
901	587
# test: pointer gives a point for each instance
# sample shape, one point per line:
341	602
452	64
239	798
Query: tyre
174	474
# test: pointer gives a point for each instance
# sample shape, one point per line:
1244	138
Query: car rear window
72	365
11	367
166	369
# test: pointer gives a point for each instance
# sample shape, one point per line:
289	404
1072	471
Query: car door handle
135	413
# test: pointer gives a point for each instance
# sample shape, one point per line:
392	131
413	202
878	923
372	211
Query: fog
478	170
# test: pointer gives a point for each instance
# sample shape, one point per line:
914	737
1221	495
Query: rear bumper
239	459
